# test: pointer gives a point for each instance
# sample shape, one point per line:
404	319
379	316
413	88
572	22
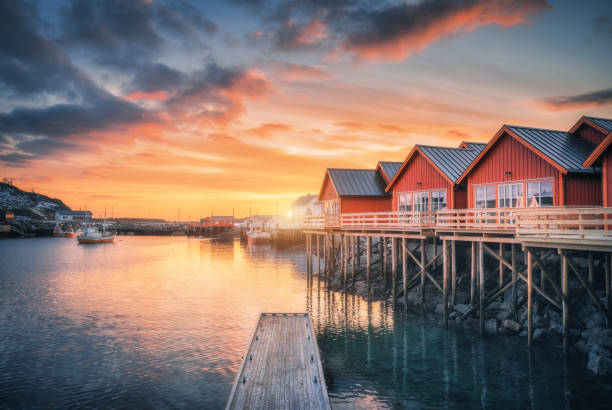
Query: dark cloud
16	159
29	63
184	19
578	101
63	120
124	32
385	29
603	25
157	77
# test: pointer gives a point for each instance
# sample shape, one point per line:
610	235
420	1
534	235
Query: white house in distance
307	205
72	216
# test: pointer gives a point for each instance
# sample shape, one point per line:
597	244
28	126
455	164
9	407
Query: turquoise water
162	322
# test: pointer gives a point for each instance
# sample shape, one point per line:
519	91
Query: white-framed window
331	207
539	193
438	200
421	201
510	195
405	202
484	196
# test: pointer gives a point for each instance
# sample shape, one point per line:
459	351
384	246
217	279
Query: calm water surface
163	322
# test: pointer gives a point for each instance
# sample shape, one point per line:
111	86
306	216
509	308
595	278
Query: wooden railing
560	222
490	219
373	220
593	222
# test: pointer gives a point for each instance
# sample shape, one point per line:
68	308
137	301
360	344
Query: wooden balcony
572	223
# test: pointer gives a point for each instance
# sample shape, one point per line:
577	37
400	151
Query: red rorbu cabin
427	179
353	191
527	167
602	157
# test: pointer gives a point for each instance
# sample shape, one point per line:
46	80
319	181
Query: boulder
601	337
361	288
440	308
511	325
539	322
582	347
504	314
599	364
462	308
597	319
539	333
491	326
556	327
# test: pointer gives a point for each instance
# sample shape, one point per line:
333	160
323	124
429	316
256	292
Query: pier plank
281	368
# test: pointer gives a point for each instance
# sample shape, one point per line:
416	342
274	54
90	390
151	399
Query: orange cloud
265	130
400	31
147	96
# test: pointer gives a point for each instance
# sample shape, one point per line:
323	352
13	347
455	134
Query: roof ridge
534	128
598	118
439	147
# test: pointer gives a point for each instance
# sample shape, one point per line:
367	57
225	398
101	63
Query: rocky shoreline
589	332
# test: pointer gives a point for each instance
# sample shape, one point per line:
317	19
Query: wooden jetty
281	368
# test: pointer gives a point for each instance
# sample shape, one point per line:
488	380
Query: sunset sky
149	107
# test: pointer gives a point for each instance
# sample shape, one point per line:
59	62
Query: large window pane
491	196
546	193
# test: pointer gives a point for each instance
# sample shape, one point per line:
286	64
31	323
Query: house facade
427	179
529	167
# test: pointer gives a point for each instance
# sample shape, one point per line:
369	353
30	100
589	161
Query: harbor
144	320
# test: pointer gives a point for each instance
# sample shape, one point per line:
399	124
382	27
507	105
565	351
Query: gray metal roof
478	146
604	123
358	182
451	161
566	149
390	168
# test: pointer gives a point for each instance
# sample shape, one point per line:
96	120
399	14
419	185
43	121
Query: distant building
6	215
307	205
217	221
72	216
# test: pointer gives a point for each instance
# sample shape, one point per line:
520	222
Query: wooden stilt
393	269
384	258
608	290
564	301
346	259
445	282
435	252
353	259
453	273
590	264
358	251
482	285
332	258
380	255
542	278
473	275
423	257
342	252
318	260
529	299
514	278
405	274
325	264
501	268
368	263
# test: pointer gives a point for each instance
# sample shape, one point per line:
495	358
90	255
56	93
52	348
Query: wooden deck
281	368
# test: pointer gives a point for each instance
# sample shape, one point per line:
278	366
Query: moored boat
258	238
70	233
94	235
58	231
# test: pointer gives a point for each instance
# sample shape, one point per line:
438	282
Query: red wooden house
427	179
522	167
602	156
353	191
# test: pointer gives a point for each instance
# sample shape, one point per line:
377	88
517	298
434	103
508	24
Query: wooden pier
281	368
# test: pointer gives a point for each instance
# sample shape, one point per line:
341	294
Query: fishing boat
258	238
58	231
70	233
94	235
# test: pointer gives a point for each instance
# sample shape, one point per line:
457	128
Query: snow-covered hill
28	204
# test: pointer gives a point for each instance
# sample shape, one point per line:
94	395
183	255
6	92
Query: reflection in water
163	322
